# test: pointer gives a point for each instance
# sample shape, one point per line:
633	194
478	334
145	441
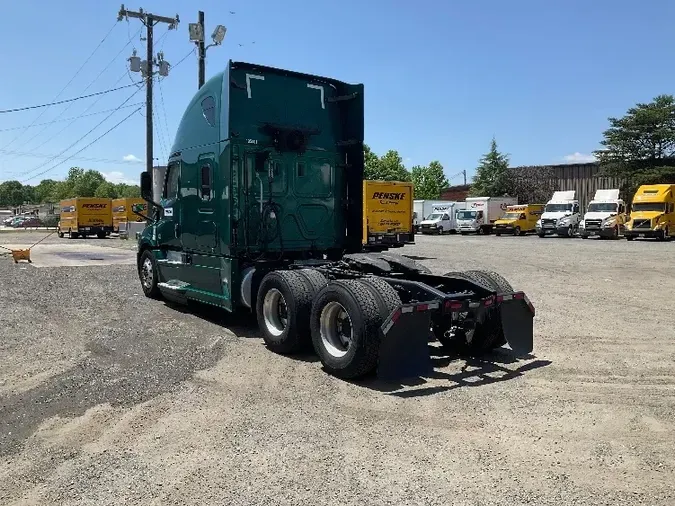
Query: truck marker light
488	302
422	307
395	316
453	305
519	295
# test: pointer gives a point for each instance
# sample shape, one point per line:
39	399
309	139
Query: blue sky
441	78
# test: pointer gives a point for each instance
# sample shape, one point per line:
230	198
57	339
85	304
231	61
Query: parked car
8	221
27	222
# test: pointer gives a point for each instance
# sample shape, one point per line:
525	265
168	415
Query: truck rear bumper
391	240
404	350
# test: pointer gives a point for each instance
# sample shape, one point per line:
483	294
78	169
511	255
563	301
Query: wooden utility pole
201	48
149	20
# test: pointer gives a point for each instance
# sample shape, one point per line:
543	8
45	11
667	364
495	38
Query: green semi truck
261	211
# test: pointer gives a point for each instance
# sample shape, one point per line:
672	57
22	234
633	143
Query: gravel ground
107	397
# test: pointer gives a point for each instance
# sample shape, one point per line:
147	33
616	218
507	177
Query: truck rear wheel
345	323
282	309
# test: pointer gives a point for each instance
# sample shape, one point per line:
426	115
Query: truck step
174	285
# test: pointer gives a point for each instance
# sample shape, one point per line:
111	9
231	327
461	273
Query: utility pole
147	69
201	47
464	173
197	36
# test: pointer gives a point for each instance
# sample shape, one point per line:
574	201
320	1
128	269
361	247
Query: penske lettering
95	206
388	196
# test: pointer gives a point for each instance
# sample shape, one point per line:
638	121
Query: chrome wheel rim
336	329
147	274
275	312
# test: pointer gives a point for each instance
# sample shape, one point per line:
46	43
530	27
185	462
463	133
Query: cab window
209	110
446	217
172	176
522	216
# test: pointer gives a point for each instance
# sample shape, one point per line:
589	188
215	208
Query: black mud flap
518	325
404	349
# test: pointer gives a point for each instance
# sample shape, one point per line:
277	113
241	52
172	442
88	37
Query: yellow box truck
652	213
85	216
519	220
122	211
387	215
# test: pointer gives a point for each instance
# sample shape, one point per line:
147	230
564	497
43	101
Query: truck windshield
466	215
650	206
435	216
557	208
511	216
602	207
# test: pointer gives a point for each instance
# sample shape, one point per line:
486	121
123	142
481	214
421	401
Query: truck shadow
475	372
494	367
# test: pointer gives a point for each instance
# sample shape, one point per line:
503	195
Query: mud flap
404	349
518	325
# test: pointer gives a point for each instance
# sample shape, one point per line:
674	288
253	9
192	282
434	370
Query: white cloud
131	158
579	158
118	177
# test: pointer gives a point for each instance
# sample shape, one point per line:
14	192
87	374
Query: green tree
12	193
45	190
106	190
429	181
86	184
491	178
639	147
388	167
128	190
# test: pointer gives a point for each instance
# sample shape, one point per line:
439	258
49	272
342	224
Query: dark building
584	178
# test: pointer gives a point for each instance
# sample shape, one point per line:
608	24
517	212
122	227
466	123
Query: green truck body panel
223	209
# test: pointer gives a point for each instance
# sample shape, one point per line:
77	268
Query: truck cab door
199	226
168	226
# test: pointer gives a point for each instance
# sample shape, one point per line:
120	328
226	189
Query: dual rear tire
340	319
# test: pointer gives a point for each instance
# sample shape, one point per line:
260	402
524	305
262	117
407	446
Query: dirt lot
107	397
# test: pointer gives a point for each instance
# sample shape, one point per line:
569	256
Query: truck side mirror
146	186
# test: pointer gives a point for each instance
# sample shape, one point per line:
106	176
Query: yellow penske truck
387	215
84	216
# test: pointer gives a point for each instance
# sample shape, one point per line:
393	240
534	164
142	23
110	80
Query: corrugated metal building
584	178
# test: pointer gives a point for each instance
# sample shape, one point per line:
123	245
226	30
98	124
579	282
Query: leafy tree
87	183
491	178
106	190
389	167
45	190
429	181
639	147
370	163
532	184
128	191
12	193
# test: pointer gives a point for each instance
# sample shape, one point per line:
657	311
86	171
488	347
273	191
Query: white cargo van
442	220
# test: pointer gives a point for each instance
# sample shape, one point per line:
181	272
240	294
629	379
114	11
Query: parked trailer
270	221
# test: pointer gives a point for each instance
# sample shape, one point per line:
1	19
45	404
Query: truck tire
314	278
499	283
386	296
516	231
345	322
147	274
283	305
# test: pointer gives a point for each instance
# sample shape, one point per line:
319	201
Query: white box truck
561	215
605	215
443	219
422	209
480	213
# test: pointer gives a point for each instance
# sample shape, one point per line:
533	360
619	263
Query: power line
183	58
68	83
64	119
85	89
87	159
85	135
80	151
166	123
18	109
